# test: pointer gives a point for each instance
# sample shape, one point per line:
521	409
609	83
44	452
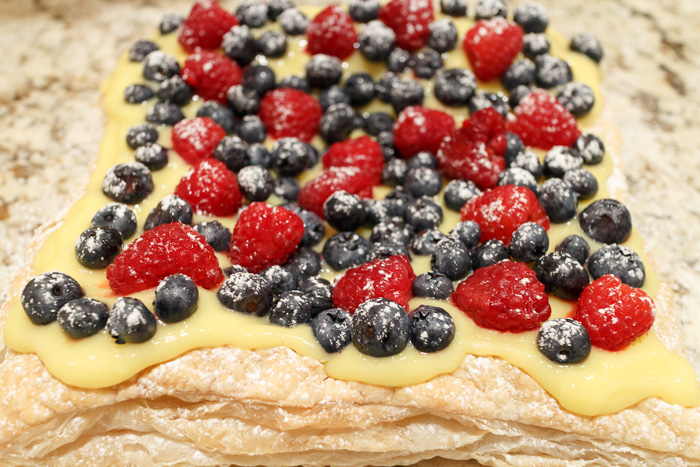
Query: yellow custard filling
606	382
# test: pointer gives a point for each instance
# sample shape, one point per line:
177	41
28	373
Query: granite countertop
56	52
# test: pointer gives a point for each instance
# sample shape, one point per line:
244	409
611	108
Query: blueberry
529	161
607	221
304	262
376	211
467	232
153	156
532	17
423	213
443	35
232	151
517	94
159	66
591	148
454	86
558	200
344	211
564	341
293	21
426	242
331	329
360	88
582	182
217	235
169	22
295	82
451	258
176	298
286	188
514	146
397	200
561	275
118	216
291	309
137	93
260	78
378	122
619	261
405	93
82	317
364	11
432	328
323	70
97	247
345	250
577	98
384	85
391	232
174	90
551	71
234	269
252	130
337	122
576	246
128	183
130	321
399	60
276	7
529	242
376	41
247	293
164	113
487	9
386	142
140	135
423	181
170	209
280	278
333	95
490	253
422	159
394	172
432	285
257	154
484	100
46	293
242	100
518	177
221	115
255	182
319	292
519	73
290	156
387	250
459	192
587	44
380	328
239	45
313	228
427	63
272	44
252	13
535	44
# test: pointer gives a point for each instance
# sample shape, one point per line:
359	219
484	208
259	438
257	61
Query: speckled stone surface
56	52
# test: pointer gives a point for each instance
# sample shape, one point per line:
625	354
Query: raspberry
542	122
410	20
613	313
499	212
211	189
168	249
421	129
194	139
390	278
332	32
363	153
211	75
491	45
205	26
265	236
289	112
505	296
487	126
351	179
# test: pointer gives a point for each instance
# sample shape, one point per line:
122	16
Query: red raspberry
390	278
542	122
205	26
421	129
499	212
351	179
211	75
194	139
332	32
363	153
168	249
265	236
613	313
409	19
505	296
487	126
491	45
211	189
289	112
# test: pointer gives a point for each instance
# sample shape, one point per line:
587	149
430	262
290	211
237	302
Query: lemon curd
605	383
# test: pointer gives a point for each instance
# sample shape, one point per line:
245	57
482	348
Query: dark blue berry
276	7
564	341
140	135
423	181
561	275
380	328
137	93
255	182
455	86
252	13
239	45
394	172
535	44
529	161
272	44
487	9
483	100
620	261
607	221
519	73
140	49
576	246
558	200
337	122
290	156
378	122
364	11
159	66
232	151
517	94
176	298
529	242
422	159
532	17
386	142
170	209
83	317
427	63
587	44
118	216
128	183
432	285
154	156
217	235
454	7
518	177
332	329
360	88
451	258
426	242
286	188
344	211
97	247
459	192
246	292
391	232
242	100
221	115
384	85
291	309
376	211
319	292
305	262
577	98
376	41
313	228
514	146
280	278
490	253
591	148
174	90
257	154
551	71
170	22
405	93
423	213
333	95
387	250
397	200
252	130
260	78
46	293
399	60
432	328
467	232
323	70
130	321
164	113
293	21
299	83
345	250
443	35
582	182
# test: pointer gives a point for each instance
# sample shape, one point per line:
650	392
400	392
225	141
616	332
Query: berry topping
140	135
619	261
535	44
561	275
337	122
331	329
319	292
252	13
490	253
606	220
443	35
499	212
161	252
344	211
451	258
423	181
233	152
291	309
426	242
380	328
362	153
391	232
487	9
272	44
404	93
333	95
613	313
313	227
130	321
164	113
83	317
421	129
459	192
345	250
454	7
194	139
591	148
551	71
205	26
118	216
287	189
280	278
519	73
46	293
217	235
332	32
491	45
410	20
276	7
351	179
255	183
558	200
289	112
243	101
360	88
577	98
172	208
432	328
529	242
364	11
587	44
432	285
97	247
174	90
561	159
576	246
128	183
211	189
423	213
252	130
323	70
519	177
427	63
376	41
467	232
454	86
247	293
542	122
170	22
506	296
240	45
159	66
564	341
532	17
293	21
153	156
306	262
137	93
265	236
582	182
176	298
290	156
